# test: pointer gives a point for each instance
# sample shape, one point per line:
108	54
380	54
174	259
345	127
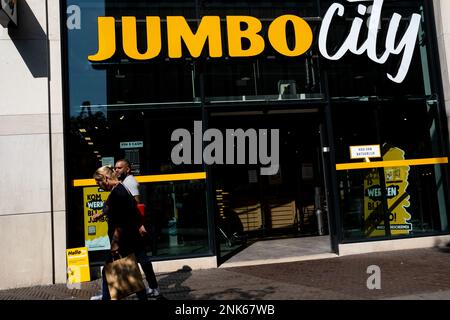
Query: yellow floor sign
78	265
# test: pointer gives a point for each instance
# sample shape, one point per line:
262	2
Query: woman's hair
105	171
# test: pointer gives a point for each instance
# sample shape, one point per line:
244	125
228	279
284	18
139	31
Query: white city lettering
406	44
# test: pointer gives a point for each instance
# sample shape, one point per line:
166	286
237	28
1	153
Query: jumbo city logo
209	31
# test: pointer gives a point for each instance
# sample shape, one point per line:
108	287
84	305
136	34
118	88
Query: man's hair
126	161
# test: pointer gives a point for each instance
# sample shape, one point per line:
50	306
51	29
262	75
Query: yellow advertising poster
95	233
396	182
78	265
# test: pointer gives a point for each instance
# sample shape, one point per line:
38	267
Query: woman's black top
122	213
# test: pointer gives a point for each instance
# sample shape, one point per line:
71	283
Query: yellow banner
396	182
95	233
78	265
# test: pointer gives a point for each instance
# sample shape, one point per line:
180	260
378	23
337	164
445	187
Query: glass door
253	206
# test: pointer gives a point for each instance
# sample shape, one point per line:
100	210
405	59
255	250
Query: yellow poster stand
95	233
78	265
396	184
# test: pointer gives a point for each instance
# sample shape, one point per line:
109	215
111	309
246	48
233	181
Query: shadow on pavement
172	285
238	294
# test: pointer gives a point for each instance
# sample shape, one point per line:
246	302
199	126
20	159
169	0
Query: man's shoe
98	297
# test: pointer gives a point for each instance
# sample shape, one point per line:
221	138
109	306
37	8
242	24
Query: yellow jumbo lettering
235	35
129	36
302	31
208	29
106	39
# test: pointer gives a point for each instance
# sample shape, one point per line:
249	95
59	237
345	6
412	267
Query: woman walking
123	222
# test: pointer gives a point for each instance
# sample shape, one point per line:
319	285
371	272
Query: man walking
123	172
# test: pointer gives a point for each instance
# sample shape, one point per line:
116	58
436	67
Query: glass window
411	197
113	104
358	75
124	108
270	75
176	210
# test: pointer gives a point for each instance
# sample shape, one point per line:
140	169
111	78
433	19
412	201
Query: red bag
141	208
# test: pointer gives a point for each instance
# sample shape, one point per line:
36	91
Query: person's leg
105	290
142	295
147	267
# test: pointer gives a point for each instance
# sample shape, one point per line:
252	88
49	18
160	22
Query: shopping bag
123	277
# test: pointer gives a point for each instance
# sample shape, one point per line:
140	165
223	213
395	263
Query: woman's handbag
123	277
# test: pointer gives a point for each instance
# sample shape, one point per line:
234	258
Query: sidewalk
419	274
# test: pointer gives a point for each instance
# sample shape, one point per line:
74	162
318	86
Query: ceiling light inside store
95	151
90	143
122	117
87	138
82	130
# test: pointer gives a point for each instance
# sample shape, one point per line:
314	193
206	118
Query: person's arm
133	187
142	231
98	215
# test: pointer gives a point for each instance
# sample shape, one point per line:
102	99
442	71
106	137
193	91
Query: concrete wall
442	17
392	245
32	251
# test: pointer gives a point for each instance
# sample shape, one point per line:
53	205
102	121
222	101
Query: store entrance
251	206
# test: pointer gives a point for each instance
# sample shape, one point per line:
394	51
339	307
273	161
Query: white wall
442	17
31	148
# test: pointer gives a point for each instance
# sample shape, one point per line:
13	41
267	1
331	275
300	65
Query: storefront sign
396	183
364	152
95	233
108	161
131	144
8	12
209	30
78	265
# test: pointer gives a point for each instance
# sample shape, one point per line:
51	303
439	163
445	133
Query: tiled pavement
419	274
